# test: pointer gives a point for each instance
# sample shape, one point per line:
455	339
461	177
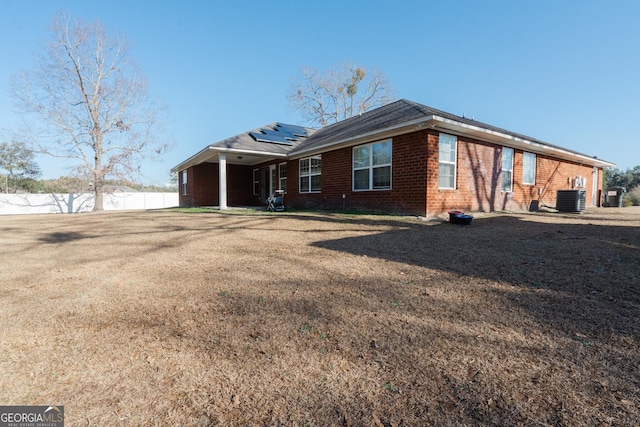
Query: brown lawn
250	318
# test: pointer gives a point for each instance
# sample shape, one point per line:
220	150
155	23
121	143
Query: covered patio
239	171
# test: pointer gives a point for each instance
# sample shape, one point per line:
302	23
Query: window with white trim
184	182
447	157
310	174
529	169
507	169
256	182
372	166
282	176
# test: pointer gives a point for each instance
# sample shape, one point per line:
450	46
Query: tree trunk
98	206
92	104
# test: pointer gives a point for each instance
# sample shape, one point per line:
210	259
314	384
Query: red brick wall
414	181
477	178
408	181
185	199
293	197
200	178
478	186
205	184
551	175
203	188
239	185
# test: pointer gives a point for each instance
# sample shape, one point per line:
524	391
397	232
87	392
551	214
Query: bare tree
346	90
90	103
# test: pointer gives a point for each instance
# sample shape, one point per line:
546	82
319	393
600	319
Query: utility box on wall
571	200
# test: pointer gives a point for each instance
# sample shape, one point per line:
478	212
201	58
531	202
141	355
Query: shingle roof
383	119
388	116
397	114
246	142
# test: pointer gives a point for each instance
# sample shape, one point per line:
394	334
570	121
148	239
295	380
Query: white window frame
441	139
273	179
282	180
309	174
525	165
184	182
508	169
371	167
256	182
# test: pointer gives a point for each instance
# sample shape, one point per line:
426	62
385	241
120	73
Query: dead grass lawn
250	318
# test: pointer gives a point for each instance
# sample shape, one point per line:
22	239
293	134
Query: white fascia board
248	152
515	142
193	160
456	127
211	151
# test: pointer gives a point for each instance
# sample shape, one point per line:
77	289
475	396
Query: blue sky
565	72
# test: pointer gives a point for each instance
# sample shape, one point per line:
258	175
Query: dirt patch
252	318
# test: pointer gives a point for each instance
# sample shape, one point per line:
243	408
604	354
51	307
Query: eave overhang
212	153
461	129
532	146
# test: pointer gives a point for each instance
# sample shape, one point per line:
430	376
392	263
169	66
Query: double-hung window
282	176
529	169
310	174
447	153
507	169
372	166
184	182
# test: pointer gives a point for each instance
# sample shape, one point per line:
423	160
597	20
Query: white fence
11	204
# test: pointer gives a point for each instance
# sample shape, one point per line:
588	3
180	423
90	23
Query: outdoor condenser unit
571	200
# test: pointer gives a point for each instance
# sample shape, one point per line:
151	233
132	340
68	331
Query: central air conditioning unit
571	200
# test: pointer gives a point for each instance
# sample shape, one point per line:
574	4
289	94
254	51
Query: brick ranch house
403	158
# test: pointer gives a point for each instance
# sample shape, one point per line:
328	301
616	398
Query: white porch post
222	193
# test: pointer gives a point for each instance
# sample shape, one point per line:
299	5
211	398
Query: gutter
517	142
432	121
455	127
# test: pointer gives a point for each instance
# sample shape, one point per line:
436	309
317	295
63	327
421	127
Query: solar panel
279	133
274	139
296	130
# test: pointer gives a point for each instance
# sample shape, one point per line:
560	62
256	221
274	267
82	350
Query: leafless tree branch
327	97
90	104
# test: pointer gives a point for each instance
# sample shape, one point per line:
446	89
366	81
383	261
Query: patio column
222	178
